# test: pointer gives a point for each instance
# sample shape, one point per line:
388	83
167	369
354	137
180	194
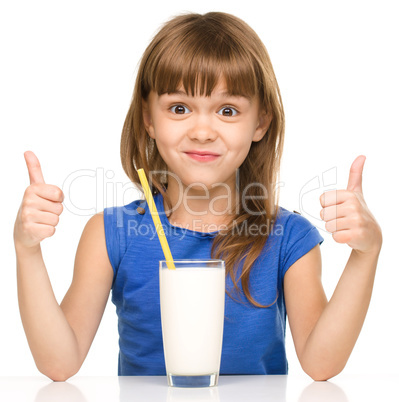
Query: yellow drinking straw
155	218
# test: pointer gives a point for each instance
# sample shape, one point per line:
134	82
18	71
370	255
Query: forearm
331	341
51	339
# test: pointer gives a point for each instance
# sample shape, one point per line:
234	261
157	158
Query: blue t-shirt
253	337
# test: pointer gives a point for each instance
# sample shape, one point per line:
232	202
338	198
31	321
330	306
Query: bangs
197	59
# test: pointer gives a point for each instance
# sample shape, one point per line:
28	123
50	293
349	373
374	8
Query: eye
179	109
228	111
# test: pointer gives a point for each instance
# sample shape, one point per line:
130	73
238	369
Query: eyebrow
224	94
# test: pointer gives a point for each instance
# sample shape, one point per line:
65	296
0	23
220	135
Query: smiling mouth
202	156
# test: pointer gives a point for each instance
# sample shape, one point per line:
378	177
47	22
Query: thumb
355	174
34	169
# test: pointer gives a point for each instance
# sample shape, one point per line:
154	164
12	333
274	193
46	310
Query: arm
58	336
325	333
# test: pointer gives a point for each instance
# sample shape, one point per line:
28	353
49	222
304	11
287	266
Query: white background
67	75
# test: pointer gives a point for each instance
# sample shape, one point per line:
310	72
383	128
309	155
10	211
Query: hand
347	216
40	209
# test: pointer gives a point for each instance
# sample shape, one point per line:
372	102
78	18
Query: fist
40	209
347	216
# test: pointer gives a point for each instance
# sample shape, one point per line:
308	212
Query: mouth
202	156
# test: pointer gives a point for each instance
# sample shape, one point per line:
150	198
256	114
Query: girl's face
203	140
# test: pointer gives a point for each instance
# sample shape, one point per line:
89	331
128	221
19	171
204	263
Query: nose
201	130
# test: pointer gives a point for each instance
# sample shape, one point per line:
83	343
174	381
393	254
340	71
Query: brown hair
197	50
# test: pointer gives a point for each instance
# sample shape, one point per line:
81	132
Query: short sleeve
114	236
300	237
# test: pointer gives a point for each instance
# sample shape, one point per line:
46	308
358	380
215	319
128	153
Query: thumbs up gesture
40	209
347	216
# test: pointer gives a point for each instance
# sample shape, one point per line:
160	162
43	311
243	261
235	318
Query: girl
206	123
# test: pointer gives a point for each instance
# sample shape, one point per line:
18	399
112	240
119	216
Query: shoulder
297	236
93	231
91	254
284	216
133	208
120	218
119	226
95	224
291	224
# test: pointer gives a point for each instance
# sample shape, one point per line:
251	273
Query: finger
47	191
355	174
334	212
45	205
34	168
42	231
342	236
45	218
334	197
336	225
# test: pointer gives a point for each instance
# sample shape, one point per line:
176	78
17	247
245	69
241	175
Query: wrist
23	251
374	250
372	253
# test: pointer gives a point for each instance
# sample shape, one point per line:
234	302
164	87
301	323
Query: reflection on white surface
143	389
193	394
323	391
231	388
60	392
265	388
150	389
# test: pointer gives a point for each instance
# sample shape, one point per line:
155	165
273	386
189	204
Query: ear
264	122
149	127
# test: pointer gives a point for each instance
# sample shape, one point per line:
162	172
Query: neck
201	209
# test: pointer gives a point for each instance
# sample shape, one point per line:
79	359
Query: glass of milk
192	314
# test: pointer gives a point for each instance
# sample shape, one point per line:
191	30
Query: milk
192	308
